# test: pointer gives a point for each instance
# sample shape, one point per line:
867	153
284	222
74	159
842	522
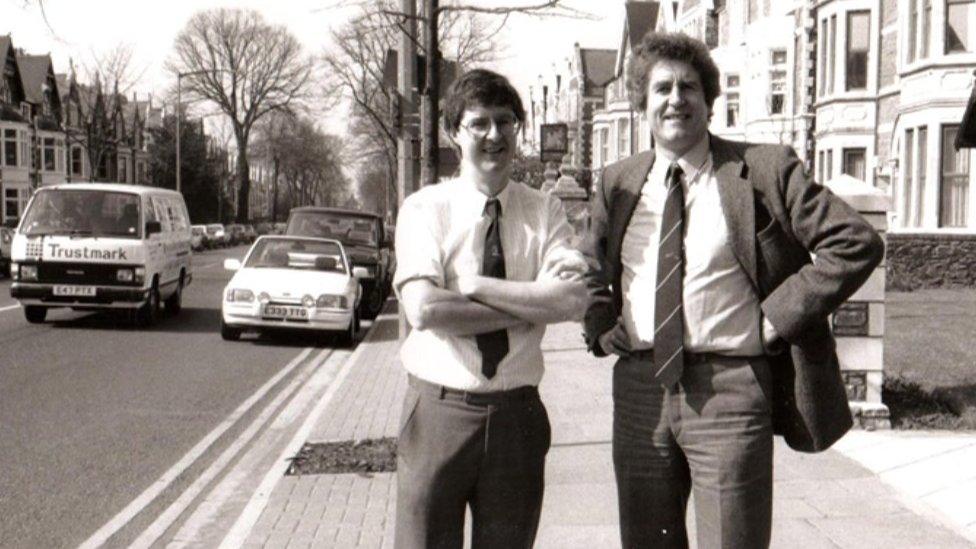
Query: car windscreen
348	229
78	212
286	253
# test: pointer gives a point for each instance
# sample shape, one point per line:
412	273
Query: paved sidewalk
907	490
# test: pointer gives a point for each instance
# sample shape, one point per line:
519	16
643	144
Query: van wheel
35	314
229	333
148	314
174	303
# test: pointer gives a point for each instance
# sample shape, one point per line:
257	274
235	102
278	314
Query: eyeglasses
481	126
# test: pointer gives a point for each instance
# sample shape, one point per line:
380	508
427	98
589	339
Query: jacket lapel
738	204
625	202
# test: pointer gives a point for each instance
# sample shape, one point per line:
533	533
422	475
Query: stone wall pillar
573	196
858	324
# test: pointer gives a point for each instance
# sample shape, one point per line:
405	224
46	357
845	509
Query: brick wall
921	261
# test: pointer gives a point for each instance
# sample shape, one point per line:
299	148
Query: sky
80	28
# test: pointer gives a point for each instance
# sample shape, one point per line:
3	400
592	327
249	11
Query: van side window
160	206
178	212
149	210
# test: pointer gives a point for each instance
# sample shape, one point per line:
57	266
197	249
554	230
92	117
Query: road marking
237	535
166	519
144	499
10	307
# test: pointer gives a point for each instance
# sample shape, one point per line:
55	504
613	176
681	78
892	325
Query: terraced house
871	91
54	129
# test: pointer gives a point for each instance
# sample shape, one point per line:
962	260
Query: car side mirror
153	227
232	264
360	272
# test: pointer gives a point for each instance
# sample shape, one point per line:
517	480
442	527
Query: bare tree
356	63
308	161
248	68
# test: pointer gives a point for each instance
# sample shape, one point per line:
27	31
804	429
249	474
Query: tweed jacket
804	250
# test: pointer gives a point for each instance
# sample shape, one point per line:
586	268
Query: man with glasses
483	264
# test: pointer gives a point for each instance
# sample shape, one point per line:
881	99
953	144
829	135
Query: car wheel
35	314
348	337
229	333
372	303
148	314
174	303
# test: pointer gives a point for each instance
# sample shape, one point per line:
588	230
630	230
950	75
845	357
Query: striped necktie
668	314
493	345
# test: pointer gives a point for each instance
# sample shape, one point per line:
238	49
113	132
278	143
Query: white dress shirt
721	309
440	236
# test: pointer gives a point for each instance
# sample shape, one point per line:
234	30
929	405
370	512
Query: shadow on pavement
189	320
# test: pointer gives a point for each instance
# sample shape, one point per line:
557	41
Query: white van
102	246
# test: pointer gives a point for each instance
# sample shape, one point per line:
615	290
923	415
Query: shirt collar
695	160
476	200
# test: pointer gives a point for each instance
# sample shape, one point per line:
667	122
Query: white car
293	283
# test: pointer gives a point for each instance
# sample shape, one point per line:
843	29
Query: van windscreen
78	212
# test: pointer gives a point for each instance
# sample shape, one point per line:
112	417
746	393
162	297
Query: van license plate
281	311
72	291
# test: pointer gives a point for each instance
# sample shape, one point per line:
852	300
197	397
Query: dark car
6	240
365	239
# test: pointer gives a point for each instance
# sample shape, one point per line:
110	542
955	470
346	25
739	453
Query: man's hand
563	265
616	341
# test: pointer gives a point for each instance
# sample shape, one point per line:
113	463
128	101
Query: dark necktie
668	314
493	345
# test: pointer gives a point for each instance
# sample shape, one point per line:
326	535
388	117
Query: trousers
710	435
456	450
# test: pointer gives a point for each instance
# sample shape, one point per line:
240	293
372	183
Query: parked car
218	235
250	233
6	240
263	228
102	246
278	228
198	237
364	237
292	283
235	234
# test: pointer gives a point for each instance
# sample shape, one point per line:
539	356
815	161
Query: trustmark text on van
102	246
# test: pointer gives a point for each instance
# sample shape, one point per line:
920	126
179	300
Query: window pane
957	27
854	165
921	168
954	187
832	54
823	57
858	24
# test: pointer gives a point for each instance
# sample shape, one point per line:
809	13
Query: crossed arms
483	304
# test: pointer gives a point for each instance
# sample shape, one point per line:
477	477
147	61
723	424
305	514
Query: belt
518	394
647	355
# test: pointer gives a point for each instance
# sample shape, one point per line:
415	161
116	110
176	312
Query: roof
597	66
33	73
324	209
641	18
111	187
5	43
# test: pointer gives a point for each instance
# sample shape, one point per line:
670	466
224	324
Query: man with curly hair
702	284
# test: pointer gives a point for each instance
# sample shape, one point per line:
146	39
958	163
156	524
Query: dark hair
483	88
671	46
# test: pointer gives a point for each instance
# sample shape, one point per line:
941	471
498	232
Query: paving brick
903	530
